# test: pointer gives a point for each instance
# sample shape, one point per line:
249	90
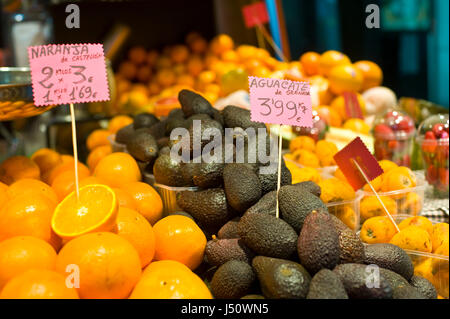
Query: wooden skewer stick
376	194
75	149
280	141
271	42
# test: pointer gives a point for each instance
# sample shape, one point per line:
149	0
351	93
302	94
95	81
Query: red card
68	73
255	14
358	151
352	107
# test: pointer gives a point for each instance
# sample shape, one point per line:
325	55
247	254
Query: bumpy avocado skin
424	286
351	246
234	279
326	285
219	251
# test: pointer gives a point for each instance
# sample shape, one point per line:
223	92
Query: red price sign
255	14
68	73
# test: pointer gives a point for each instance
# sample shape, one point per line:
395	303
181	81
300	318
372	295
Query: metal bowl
16	95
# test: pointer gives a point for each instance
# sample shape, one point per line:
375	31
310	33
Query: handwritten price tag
68	73
280	101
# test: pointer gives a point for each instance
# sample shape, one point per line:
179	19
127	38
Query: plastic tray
431	266
347	211
116	147
411	208
169	196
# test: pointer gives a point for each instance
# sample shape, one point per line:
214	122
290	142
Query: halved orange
95	210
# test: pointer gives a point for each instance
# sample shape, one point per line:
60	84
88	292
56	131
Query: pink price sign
278	101
68	73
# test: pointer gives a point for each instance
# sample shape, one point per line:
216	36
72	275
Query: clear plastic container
347	211
408	201
433	138
169	196
394	136
116	147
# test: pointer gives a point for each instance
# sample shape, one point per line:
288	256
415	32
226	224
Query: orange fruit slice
95	210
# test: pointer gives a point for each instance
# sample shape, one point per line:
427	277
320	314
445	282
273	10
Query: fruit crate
169	196
116	147
433	267
408	201
347	211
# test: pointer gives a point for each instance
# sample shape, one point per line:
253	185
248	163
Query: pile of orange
306	152
63	241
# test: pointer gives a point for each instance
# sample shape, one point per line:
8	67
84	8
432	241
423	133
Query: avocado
266	205
164	150
318	243
181	213
232	280
142	146
309	186
241	185
207	128
424	286
188	171
162	142
145	167
351	246
296	204
219	251
209	175
234	116
168	171
267	235
176	114
281	279
229	230
217	116
208	207
253	297
391	257
200	117
359	285
326	285
173	123
193	103
158	129
144	120
124	134
400	286
269	182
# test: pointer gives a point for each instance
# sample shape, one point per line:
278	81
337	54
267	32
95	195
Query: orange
206	77
128	70
345	77
91	180
96	155
179	238
198	44
179	69
439	235
18	167
229	56
67	158
119	121
210	96
245	51
64	184
137	230
387	165
28	215
195	65
335	190
147	200
413	238
306	158
46	159
124	199
221	43
144	73
154	88
213	88
152	56
326	150
83	171
338	104
339	175
397	179
97	138
95	210
137	55
169	279
163	62
31	186
179	53
376	183
109	266
186	79
310	62
329	115
377	230
322	86
165	77
117	169
357	125
330	59
261	71
21	253
3	186
419	221
38	284
371	207
3	194
372	74
411	204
